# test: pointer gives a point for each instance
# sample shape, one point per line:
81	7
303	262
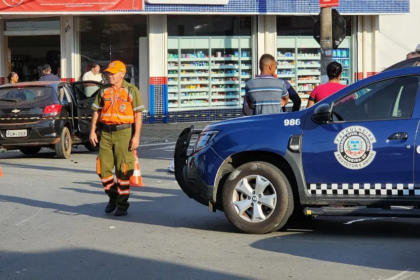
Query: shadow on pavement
386	243
93	264
54	168
168	208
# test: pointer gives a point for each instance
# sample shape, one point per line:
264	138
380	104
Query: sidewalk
163	132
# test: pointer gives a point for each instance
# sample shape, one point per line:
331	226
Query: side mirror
322	114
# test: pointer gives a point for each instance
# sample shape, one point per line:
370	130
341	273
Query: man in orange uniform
118	108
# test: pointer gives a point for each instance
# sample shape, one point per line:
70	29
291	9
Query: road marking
361	220
402	275
157	144
164	148
164	158
28	219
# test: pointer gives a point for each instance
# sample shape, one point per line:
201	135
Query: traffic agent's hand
134	144
93	138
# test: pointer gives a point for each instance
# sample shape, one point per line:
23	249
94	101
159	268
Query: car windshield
24	95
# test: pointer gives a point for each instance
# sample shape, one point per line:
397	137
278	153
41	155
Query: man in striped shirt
265	94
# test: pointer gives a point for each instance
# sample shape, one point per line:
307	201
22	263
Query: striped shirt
265	93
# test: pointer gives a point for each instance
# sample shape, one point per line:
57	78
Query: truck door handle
399	136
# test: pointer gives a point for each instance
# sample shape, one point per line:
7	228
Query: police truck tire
30	151
63	147
257	198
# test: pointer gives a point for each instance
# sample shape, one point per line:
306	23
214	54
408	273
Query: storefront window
209	61
299	54
107	38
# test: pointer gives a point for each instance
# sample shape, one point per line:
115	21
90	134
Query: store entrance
30	53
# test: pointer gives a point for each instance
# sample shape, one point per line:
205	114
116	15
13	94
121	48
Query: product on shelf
215	78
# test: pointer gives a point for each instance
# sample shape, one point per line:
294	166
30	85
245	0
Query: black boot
120	212
112	205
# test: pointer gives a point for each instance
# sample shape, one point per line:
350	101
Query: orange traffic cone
1	173
135	180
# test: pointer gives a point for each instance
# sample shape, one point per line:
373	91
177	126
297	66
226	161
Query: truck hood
259	121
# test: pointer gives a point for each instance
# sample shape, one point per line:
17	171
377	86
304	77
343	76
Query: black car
46	114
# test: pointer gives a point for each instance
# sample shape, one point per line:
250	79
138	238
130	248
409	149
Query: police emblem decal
355	147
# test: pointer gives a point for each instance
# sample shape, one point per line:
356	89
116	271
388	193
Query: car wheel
63	147
30	151
257	198
91	148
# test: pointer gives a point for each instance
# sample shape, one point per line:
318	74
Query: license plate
17	133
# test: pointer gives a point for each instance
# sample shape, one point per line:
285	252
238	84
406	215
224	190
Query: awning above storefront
66	6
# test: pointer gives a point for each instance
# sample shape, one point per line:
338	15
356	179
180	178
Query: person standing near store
46	69
334	71
119	109
294	96
265	94
93	75
13	78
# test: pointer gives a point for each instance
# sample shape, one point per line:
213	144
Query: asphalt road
53	226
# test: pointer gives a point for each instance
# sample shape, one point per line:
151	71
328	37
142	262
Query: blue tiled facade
286	7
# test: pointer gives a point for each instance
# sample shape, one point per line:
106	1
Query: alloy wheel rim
254	198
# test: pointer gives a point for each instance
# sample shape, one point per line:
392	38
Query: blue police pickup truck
355	153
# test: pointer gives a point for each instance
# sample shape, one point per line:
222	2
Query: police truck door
367	148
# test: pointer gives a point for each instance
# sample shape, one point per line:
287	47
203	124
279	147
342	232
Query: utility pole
326	42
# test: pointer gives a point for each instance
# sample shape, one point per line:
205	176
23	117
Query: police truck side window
385	100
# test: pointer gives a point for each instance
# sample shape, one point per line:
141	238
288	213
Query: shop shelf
309	81
224	89
285	75
194	59
172	83
225	58
224	103
173	59
309	74
173	105
308	57
225	82
193	89
194	105
195	97
225	75
194	67
309	66
286	58
173	98
225	67
210	46
223	96
194	82
194	75
286	67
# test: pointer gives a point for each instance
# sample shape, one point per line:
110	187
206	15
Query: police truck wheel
257	198
30	151
63	147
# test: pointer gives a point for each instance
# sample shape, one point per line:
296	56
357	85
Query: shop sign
64	6
329	3
189	2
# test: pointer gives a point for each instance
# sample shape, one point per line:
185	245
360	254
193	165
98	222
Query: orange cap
115	67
